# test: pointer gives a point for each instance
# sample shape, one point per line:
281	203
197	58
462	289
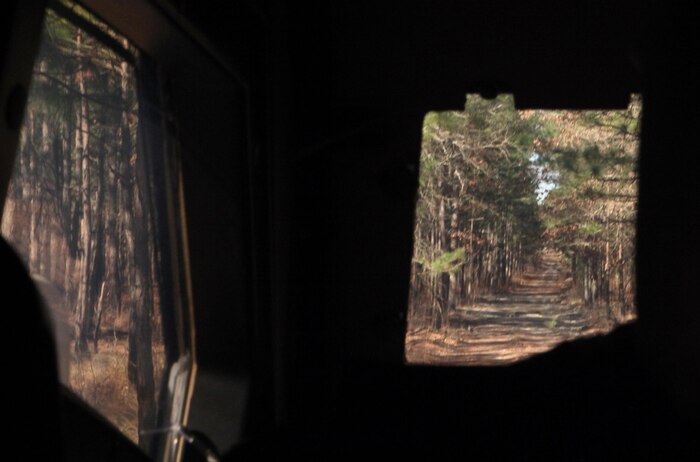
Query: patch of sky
546	178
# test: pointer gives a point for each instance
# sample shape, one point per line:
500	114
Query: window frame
157	139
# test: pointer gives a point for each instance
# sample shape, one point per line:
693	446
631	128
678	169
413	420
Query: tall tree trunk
453	293
621	269
8	216
82	148
141	300
444	296
97	272
34	196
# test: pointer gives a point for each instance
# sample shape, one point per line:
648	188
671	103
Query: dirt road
533	316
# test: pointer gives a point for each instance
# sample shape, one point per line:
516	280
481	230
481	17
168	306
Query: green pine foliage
479	217
590	215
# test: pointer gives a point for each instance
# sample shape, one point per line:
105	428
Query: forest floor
535	314
102	381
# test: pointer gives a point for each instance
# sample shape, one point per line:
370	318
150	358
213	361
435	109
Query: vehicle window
525	231
81	212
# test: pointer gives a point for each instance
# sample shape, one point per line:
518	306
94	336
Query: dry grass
102	381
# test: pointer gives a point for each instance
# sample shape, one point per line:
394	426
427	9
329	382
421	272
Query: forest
524	232
79	211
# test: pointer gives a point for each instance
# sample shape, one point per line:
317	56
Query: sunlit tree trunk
34	193
97	273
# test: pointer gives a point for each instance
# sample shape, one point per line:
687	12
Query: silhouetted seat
30	383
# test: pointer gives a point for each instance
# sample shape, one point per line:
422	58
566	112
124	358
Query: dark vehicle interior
296	129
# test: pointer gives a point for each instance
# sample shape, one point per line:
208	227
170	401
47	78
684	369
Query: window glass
80	212
525	231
